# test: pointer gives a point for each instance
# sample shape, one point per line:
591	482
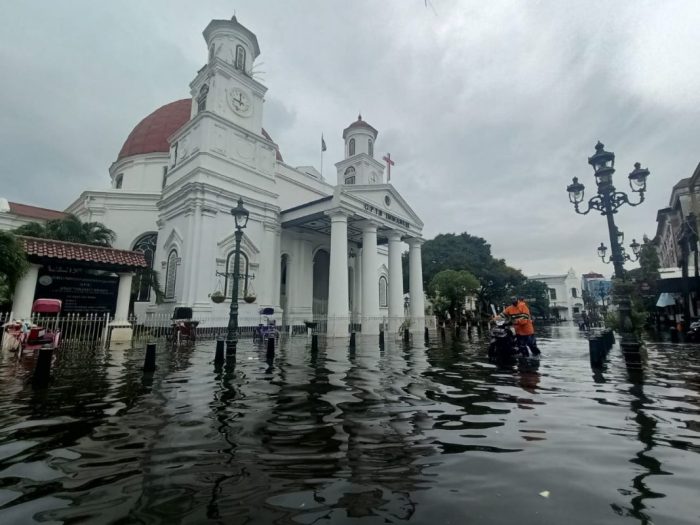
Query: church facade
312	249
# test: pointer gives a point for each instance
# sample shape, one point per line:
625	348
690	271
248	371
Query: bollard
381	339
314	342
219	355
42	372
674	334
270	348
442	332
352	339
149	364
427	335
406	336
595	352
231	347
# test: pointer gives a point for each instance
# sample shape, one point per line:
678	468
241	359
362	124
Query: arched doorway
320	284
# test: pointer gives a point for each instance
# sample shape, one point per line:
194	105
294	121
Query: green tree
536	295
70	229
449	289
13	264
644	290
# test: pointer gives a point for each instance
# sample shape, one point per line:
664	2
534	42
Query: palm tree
13	264
70	229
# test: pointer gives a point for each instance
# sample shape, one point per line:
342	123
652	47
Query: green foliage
450	251
70	229
13	264
449	288
639	314
644	289
536	295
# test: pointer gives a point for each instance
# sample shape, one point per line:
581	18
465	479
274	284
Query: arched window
350	175
171	275
243	276
118	181
202	98
383	284
351	147
147	245
240	58
370	148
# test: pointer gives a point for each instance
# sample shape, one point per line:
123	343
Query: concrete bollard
42	371
270	348
381	339
406	336
231	347
442	332
149	363
596	352
219	355
352	339
314	342
427	335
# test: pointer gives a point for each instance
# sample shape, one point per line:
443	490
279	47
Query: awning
665	299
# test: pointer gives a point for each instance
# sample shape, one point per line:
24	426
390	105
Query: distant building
13	214
597	286
565	297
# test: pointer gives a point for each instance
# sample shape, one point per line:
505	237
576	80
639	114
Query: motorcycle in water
504	349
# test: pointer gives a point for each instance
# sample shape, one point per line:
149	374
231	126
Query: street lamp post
607	201
240	216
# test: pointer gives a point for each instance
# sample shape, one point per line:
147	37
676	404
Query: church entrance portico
365	224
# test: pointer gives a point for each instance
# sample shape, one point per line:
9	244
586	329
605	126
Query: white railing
95	329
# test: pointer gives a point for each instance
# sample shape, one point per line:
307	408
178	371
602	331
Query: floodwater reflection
361	435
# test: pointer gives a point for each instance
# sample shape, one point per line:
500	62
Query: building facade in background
565	297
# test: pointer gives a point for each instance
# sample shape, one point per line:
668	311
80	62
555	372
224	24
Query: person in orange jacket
519	315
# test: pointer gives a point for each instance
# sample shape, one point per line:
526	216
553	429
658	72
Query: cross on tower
389	164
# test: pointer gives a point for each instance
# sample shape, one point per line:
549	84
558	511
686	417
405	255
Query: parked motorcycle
503	346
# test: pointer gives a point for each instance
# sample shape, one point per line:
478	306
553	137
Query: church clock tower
225	85
360	166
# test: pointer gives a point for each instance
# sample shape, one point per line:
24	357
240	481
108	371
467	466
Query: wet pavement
368	436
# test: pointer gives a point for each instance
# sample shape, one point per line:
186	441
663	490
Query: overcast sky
488	108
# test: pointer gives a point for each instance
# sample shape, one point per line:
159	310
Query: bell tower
225	85
359	165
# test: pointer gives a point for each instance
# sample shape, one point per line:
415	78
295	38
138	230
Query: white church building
312	249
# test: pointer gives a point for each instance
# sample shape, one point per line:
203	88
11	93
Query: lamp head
638	178
240	214
576	191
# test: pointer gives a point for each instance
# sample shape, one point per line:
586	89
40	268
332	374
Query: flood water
414	435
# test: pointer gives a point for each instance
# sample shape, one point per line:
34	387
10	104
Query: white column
395	280
338	297
277	268
24	293
415	282
370	283
264	281
121	312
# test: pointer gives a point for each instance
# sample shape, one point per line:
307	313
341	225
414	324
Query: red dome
151	134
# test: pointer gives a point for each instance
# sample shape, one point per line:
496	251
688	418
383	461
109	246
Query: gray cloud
488	108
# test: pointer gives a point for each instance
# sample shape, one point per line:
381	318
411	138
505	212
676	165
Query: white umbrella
665	299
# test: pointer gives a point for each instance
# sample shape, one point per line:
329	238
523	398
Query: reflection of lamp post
240	216
607	200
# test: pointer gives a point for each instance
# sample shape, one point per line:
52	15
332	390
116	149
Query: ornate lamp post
240	216
634	246
607	201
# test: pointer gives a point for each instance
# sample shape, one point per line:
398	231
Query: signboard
82	290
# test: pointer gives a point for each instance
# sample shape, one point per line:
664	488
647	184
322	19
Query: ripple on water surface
418	435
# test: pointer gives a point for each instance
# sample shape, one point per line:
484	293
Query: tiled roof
71	251
34	212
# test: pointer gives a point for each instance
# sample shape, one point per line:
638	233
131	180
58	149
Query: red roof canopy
71	251
34	212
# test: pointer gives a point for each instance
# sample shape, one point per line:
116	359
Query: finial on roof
233	18
359	116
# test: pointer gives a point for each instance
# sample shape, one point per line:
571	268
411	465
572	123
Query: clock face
239	101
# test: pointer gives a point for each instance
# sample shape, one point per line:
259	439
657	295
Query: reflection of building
315	247
565	298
